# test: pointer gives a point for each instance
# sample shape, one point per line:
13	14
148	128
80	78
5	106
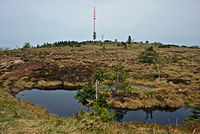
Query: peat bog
63	104
66	67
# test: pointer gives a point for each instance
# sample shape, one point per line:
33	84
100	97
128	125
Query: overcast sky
39	21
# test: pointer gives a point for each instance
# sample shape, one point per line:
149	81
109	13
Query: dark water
162	117
59	102
63	104
137	86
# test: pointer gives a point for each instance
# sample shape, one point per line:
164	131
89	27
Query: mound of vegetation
174	71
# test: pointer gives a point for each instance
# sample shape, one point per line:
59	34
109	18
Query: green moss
149	77
80	50
91	56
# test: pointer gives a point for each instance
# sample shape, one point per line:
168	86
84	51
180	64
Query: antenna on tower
94	30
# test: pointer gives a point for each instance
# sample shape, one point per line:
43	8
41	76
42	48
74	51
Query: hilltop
71	67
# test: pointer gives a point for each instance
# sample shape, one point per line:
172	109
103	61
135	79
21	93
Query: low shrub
86	95
102	112
163	46
174	59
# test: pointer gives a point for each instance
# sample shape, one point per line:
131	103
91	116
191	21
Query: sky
40	21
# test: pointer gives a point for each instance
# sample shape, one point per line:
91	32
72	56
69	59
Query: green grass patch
91	56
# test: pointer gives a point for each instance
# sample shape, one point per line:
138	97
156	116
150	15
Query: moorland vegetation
116	66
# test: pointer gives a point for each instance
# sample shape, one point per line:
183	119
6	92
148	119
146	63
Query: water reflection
119	114
195	117
63	104
160	116
59	102
149	111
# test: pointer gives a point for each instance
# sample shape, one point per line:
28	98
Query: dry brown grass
58	67
184	74
163	98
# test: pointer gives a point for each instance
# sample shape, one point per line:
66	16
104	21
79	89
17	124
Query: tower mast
94	25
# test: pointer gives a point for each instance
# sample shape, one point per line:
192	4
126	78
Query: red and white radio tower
94	30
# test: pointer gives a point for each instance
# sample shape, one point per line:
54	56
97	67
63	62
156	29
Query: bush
102	101
118	78
194	46
99	74
157	44
174	59
129	40
103	48
152	57
63	43
148	56
78	45
163	46
102	112
86	95
99	107
27	45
